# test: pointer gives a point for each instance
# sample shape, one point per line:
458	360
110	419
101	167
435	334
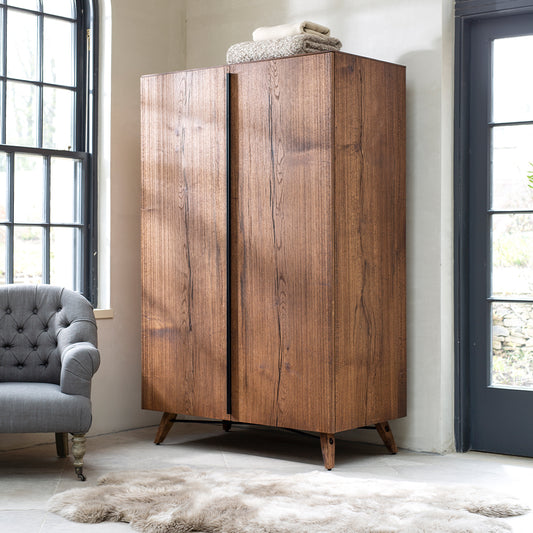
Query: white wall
418	34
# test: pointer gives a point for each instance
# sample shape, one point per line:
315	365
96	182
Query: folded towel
284	47
285	30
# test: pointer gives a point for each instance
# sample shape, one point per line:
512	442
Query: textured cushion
37	323
42	408
79	362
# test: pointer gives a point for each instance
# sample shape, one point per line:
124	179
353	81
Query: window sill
103	313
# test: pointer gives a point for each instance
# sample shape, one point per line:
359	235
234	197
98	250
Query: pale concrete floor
30	476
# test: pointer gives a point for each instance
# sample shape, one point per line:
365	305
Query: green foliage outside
513	368
512	361
514	249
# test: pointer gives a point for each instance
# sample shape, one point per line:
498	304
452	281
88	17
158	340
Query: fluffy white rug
184	499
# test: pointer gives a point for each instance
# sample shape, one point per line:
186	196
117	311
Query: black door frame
467	13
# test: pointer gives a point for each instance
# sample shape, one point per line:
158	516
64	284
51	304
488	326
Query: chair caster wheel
80	474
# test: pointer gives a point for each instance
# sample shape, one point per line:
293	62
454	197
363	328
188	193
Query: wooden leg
386	434
164	427
226	425
78	451
327	443
62	444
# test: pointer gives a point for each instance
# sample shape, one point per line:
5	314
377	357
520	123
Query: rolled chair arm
79	362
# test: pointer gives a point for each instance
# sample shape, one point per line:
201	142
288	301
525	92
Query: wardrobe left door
184	266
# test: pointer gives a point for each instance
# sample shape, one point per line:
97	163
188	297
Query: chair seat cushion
42	408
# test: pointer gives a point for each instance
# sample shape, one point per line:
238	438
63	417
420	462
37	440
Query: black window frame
85	142
467	14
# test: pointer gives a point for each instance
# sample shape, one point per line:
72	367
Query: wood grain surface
281	171
369	241
317	236
183	242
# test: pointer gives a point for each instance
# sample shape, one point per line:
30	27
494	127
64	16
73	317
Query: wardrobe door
184	242
281	139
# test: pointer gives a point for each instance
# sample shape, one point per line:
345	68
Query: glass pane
512	344
512	79
28	254
29	188
3	257
58	113
512	255
21	114
64	257
3	188
65	191
63	8
512	167
22	45
28	4
58	52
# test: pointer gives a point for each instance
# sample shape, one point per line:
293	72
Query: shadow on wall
423	174
423	89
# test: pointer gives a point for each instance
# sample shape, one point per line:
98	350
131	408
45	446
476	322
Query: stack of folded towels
285	40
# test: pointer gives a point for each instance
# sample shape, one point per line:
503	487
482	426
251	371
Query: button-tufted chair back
36	322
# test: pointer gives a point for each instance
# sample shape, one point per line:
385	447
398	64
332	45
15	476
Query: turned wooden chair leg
164	427
327	443
386	434
78	451
62	444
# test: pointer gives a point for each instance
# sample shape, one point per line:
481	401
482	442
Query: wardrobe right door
282	242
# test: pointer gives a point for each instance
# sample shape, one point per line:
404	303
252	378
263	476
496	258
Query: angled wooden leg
327	443
386	434
164	427
62	444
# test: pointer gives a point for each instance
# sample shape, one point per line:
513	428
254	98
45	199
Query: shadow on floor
268	442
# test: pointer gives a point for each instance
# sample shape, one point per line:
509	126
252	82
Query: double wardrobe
273	245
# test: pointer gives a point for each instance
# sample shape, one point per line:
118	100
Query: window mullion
40	104
80	243
4	72
10	237
46	228
79	42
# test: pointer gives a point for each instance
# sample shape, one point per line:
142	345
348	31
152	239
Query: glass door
501	236
511	212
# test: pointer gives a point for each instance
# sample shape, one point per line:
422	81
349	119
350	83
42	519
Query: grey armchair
48	356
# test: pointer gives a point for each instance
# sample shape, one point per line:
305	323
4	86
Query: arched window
47	143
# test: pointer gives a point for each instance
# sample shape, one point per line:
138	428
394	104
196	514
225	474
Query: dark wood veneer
317	269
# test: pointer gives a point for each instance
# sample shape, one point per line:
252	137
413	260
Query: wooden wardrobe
273	244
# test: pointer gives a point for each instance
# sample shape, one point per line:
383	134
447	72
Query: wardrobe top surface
288	58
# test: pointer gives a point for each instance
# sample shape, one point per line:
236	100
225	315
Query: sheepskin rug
184	499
